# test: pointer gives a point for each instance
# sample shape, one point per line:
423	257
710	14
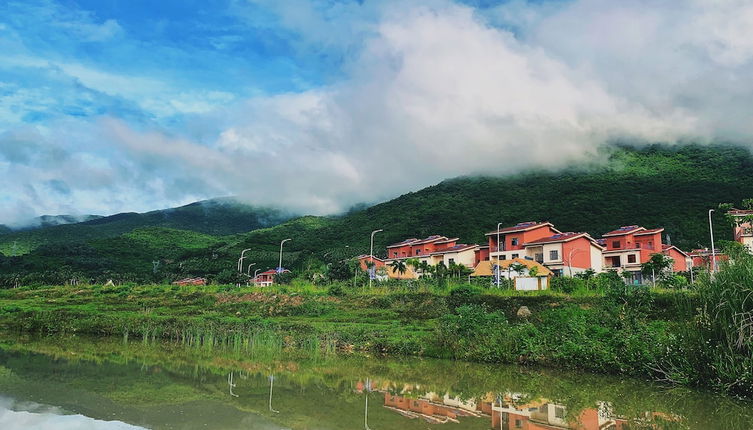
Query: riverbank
630	331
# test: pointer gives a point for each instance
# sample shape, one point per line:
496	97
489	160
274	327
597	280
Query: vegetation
655	186
700	336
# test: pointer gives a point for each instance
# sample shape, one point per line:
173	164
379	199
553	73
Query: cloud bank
417	92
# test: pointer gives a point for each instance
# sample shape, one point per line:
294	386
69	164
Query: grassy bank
698	337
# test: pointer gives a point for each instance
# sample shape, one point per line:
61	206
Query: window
631	258
418	252
616	244
503	257
394	254
638	245
559	412
452	261
514	256
518	424
539	258
554	255
514	241
650	245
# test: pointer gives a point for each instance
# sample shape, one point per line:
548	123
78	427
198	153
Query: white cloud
431	90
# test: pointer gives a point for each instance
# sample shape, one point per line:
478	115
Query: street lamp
255	272
248	272
371	251
279	267
240	260
713	251
499	226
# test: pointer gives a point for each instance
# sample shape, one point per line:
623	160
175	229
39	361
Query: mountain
654	186
47	221
217	217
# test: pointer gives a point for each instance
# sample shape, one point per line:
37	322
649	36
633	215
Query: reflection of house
545	415
265	279
431	407
630	246
743	228
191	281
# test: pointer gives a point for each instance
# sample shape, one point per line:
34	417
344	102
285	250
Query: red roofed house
512	239
743	227
702	257
410	248
681	259
566	253
630	246
265	279
364	259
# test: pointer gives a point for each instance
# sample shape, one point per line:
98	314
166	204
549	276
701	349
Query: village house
566	253
743	229
436	249
702	257
265	279
523	277
681	260
512	239
630	246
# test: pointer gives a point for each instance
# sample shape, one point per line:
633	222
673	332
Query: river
84	383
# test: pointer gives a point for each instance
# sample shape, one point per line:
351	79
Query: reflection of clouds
18	415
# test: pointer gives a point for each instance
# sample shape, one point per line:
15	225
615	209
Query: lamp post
255	272
240	260
271	383
279	267
499	226
713	251
371	251
248	272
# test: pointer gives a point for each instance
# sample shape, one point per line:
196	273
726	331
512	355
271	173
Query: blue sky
114	105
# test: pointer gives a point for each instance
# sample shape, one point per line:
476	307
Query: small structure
267	278
682	260
531	275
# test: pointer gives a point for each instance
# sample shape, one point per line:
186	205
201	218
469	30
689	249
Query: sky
132	105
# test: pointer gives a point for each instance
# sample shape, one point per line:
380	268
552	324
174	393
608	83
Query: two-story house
630	246
512	240
566	253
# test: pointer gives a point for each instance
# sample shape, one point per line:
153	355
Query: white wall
597	259
531	283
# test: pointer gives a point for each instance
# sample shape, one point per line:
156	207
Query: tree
425	268
399	267
657	264
517	268
533	271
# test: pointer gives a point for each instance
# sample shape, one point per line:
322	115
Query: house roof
485	268
403	243
457	248
273	272
430	239
666	247
559	237
625	229
651	231
740	212
446	240
365	256
523	226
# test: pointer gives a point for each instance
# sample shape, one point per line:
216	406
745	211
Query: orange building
566	253
702	258
265	279
512	239
681	258
630	246
410	248
743	228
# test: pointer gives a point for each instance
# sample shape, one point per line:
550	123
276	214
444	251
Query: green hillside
656	186
215	217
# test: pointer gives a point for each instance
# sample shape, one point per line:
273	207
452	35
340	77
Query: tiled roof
446	240
666	247
403	243
559	237
432	238
624	230
486	268
652	231
522	226
740	212
456	248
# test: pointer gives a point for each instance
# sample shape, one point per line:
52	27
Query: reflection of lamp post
366	408
231	384
271	382
499	226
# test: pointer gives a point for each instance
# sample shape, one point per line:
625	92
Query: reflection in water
107	384
16	415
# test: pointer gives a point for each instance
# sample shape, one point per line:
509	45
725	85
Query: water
79	383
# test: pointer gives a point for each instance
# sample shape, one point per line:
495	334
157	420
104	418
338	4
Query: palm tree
425	268
516	267
399	267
